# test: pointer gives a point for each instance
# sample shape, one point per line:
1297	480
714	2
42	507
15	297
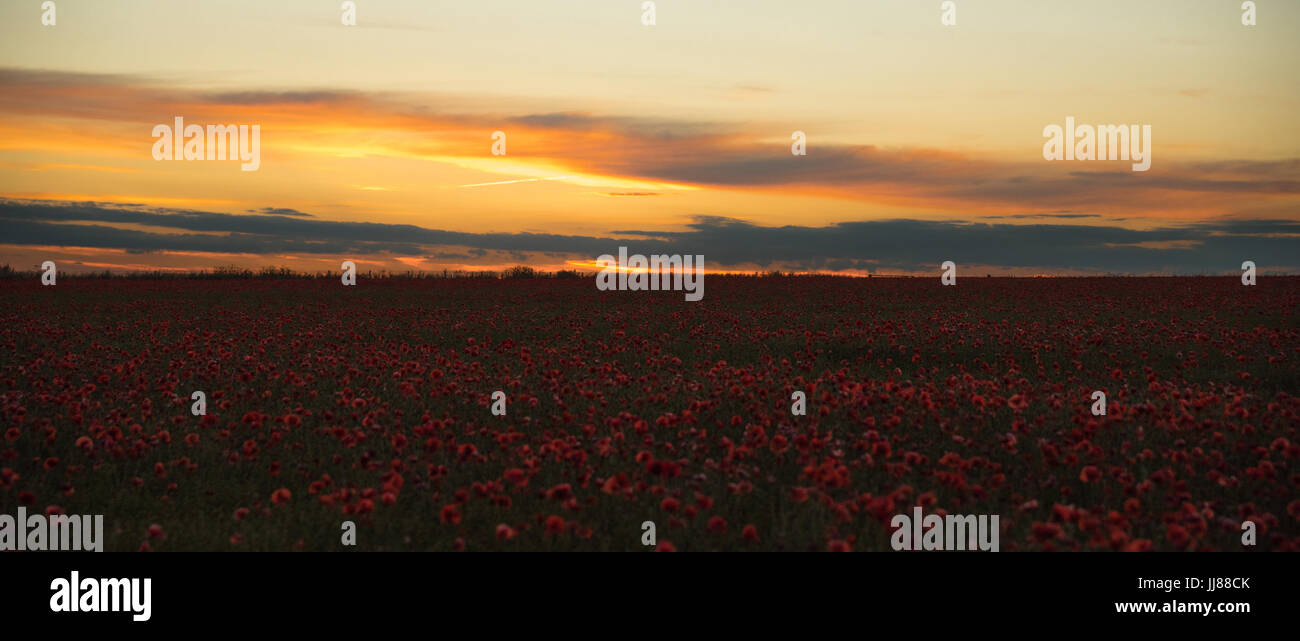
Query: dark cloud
1054	215
570	121
279	211
753	167
633	127
62	223
879	245
54	79
868	171
277	97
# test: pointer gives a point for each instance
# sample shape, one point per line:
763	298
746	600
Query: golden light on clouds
610	130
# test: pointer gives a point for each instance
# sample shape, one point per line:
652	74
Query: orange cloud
90	125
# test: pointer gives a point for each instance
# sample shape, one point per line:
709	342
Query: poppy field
372	404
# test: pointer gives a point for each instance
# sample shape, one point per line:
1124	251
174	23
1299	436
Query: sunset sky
924	141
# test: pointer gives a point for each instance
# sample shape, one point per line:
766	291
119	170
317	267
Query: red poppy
450	513
554	525
1178	536
779	444
717	525
1044	532
516	476
561	492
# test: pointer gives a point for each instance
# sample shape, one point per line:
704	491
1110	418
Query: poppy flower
1044	532
561	492
450	513
554	524
1178	536
779	444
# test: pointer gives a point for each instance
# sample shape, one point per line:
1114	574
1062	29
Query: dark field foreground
372	403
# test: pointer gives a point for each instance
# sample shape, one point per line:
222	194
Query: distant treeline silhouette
235	272
269	271
7	272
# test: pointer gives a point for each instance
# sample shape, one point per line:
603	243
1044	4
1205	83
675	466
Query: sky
924	141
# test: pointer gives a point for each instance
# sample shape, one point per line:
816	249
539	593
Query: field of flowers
371	404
